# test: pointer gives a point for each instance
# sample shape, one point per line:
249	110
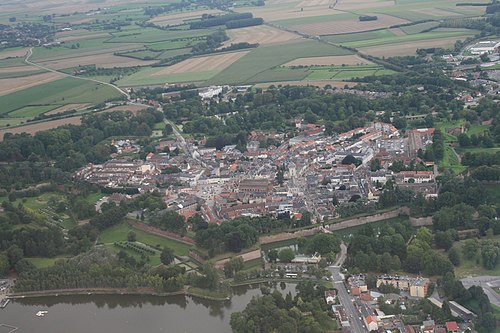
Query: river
128	314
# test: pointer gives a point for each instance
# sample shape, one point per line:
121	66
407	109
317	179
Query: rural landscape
250	166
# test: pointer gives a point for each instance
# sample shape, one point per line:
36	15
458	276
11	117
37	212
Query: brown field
82	37
46	125
15	69
397	31
8	86
328	61
348	26
436	12
59	6
312	3
13	54
349	5
179	18
100	60
202	64
409	48
65	108
261	34
132	108
284	13
318	83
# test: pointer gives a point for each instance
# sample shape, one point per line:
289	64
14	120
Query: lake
128	314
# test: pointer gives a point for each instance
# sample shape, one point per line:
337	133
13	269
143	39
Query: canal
128	314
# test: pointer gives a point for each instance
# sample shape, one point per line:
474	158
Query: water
128	314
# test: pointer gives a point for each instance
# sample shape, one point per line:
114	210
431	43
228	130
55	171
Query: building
487	46
357	284
451	327
255	185
371	323
330	296
416	286
210	92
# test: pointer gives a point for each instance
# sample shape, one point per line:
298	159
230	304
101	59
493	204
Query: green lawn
44	262
450	161
346	72
154	35
20	74
473	266
119	233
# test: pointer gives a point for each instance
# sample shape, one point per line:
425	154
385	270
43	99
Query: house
371	323
428	326
330	296
451	327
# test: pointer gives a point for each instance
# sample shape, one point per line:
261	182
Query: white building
210	92
486	46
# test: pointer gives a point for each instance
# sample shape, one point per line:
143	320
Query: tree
454	256
4	264
286	255
167	256
15	253
131	236
272	255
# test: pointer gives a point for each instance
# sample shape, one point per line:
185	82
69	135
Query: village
311	172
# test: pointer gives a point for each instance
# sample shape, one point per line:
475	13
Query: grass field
44	262
436	34
32	111
418	28
473	266
59	92
119	233
264	58
359	36
346	72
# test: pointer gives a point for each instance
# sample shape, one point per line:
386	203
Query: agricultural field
345	72
261	35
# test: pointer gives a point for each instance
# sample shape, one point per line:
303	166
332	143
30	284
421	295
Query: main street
345	299
357	324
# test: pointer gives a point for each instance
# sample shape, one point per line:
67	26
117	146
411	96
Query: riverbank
190	291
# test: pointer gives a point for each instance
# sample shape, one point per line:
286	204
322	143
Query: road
487	283
357	324
29	62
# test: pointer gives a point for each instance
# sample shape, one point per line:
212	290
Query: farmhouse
484	47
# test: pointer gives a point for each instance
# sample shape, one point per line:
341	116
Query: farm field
260	34
409	48
268	57
180	18
347	26
427	36
327	61
42	126
345	72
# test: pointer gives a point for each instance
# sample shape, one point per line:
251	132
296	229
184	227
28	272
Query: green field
44	262
20	74
473	266
60	92
146	77
435	34
119	233
172	45
316	19
264	58
346	72
153	35
418	28
359	36
32	111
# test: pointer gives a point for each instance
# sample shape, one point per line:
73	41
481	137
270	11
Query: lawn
171	45
20	74
264	58
119	233
450	161
473	266
44	262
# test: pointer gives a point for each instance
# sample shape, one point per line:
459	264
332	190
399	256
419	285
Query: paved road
29	62
357	324
487	283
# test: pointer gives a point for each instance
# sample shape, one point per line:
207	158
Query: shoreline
111	291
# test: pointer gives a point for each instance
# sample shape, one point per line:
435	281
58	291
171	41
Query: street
357	324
